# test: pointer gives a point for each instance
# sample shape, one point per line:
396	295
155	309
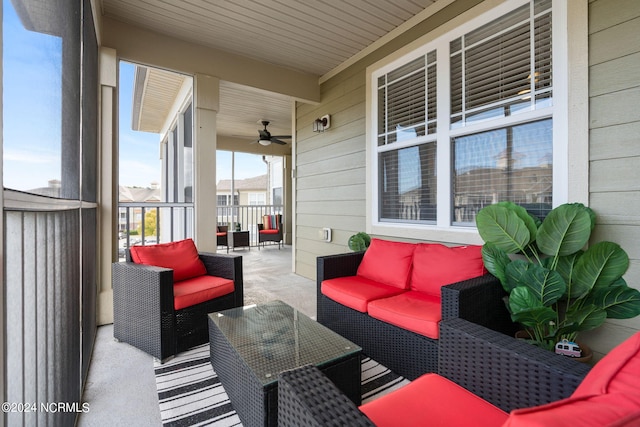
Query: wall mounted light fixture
322	124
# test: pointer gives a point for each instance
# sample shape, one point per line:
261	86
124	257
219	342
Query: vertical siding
614	140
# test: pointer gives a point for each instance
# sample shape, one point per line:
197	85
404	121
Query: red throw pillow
387	262
181	256
436	265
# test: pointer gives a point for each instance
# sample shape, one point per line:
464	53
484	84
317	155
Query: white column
206	101
108	194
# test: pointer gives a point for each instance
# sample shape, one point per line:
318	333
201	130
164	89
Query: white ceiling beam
147	47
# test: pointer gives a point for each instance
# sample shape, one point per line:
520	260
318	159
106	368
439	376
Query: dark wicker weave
143	310
307	398
249	348
407	353
507	372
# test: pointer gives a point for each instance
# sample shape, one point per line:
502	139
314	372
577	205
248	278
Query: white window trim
570	115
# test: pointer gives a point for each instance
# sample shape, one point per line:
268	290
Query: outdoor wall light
322	124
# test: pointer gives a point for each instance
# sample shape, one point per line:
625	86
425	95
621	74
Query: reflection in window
513	163
40	119
408	190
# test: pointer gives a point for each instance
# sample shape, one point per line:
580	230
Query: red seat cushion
200	289
356	291
221	233
415	311
608	396
387	262
432	400
181	256
271	231
436	265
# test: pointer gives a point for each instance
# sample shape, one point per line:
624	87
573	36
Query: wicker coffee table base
257	404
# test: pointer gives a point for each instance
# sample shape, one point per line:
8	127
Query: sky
140	151
32	123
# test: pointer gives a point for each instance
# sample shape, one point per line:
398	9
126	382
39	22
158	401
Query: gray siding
614	141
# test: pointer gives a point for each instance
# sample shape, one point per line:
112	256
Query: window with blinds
407	114
496	114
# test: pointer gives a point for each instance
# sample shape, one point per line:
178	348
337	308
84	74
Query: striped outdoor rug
190	393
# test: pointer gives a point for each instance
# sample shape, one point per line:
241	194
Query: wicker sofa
501	375
408	351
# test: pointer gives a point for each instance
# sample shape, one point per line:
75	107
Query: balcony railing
150	223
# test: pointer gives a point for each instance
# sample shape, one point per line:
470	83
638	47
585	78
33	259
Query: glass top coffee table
250	346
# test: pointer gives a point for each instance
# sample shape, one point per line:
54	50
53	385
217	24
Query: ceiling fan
266	138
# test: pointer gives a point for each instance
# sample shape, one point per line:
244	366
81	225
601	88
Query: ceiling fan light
264	141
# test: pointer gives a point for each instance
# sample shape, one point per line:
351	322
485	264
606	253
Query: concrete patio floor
121	388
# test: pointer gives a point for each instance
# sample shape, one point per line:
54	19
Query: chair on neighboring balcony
163	293
270	230
222	237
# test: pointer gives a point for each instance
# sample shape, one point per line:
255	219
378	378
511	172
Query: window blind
495	73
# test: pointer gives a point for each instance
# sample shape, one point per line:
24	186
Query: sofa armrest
340	265
306	397
228	266
479	300
505	371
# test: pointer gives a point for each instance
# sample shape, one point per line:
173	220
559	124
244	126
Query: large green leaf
517	273
496	261
526	308
565	230
547	285
619	300
530	221
585	318
565	266
504	228
600	265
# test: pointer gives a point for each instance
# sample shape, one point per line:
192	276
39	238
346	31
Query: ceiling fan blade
281	136
277	141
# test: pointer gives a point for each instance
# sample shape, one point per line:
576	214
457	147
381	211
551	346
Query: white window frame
569	112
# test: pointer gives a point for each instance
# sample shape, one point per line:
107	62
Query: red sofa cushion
415	311
200	289
356	291
608	396
181	256
387	262
436	265
432	400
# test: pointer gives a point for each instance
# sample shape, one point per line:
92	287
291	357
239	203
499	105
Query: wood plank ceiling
310	36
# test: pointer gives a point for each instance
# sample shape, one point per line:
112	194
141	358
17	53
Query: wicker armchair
503	371
143	305
222	238
270	230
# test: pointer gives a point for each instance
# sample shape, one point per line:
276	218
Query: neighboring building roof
137	194
255	183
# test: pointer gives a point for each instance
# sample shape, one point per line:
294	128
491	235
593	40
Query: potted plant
359	242
555	287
